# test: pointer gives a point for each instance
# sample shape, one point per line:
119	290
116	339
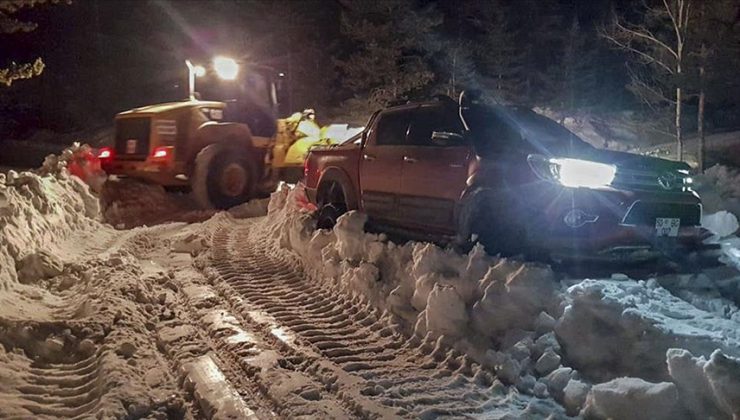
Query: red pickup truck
508	177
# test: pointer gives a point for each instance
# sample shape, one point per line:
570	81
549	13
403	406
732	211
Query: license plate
131	146
667	226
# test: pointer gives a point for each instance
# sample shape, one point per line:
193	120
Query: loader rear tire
223	177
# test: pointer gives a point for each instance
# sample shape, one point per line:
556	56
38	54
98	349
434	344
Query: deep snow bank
75	308
624	327
547	337
35	212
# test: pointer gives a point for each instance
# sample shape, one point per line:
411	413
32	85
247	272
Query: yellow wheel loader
226	150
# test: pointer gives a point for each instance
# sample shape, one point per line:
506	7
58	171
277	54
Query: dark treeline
347	57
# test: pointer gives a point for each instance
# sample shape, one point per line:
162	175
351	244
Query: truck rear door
380	164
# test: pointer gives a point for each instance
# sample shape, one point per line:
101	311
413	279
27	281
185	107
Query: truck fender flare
336	175
235	134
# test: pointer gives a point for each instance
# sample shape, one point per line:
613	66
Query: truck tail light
105	153
162	153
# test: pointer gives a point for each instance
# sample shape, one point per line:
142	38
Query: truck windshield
521	128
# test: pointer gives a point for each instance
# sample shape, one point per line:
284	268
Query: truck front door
380	165
434	172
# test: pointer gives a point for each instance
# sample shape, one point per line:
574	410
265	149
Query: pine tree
575	74
10	25
394	44
520	43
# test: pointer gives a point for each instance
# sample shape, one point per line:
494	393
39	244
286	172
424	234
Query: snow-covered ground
612	348
242	315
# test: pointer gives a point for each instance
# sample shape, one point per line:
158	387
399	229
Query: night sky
106	56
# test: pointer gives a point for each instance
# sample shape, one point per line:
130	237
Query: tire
494	231
328	215
331	206
223	177
495	223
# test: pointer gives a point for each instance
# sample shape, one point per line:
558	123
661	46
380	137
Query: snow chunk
349	232
633	398
697	395
574	396
190	243
548	362
723	374
446	313
39	266
722	223
625	328
513	299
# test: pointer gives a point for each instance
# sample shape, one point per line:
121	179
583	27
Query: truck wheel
497	228
329	214
332	205
223	177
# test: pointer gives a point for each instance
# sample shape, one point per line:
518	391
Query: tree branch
650	59
646	35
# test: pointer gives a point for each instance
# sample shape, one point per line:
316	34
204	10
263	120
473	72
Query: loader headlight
226	68
199	71
574	173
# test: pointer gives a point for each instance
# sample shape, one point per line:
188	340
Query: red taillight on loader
163	153
105	153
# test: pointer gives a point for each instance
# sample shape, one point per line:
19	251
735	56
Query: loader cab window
392	128
428	119
250	99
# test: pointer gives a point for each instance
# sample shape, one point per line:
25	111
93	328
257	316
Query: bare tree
702	58
658	44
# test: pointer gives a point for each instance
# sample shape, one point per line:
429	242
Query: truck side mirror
444	138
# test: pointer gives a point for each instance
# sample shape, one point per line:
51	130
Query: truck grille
635	179
132	138
645	213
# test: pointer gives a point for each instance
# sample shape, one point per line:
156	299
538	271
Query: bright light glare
159	152
199	71
578	173
104	154
226	68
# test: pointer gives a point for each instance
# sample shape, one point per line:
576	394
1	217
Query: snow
74	291
598	346
624	327
722	223
719	188
633	398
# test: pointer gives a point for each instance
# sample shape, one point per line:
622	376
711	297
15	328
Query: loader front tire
223	177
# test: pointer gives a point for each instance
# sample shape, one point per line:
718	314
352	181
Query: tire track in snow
413	377
70	390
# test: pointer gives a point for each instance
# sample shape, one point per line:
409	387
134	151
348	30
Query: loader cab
251	98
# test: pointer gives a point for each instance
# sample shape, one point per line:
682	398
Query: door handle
368	157
456	165
409	159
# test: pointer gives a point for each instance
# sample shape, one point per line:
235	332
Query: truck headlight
574	173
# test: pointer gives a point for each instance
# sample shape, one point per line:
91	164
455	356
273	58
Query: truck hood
631	160
171	106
